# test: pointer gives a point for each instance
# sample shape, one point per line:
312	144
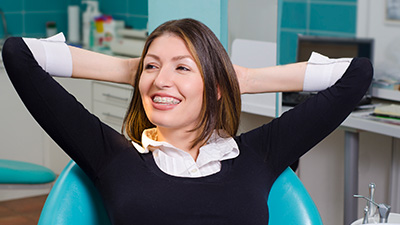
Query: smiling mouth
165	100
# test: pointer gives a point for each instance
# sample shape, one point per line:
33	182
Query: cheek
195	91
144	84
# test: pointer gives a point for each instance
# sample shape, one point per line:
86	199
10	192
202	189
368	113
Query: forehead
168	45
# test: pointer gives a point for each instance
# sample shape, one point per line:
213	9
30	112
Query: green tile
113	7
331	34
11	5
294	15
46	5
14	24
35	23
74	2
288	47
137	22
338	18
335	1
138	7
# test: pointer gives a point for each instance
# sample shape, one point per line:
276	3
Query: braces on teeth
165	100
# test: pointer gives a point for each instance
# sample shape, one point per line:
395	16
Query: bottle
92	11
51	28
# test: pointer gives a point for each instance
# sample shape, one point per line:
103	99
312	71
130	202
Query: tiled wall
133	12
313	17
29	17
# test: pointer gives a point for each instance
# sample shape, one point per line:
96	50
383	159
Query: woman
185	164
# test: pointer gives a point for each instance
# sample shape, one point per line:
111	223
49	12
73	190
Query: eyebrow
176	58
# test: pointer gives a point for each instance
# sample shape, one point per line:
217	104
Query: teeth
165	100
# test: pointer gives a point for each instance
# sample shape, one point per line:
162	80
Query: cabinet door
110	102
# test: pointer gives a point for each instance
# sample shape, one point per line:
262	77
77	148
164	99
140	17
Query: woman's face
171	85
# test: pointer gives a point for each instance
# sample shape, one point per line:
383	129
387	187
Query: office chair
75	200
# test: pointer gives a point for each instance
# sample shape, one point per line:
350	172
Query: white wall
253	20
372	23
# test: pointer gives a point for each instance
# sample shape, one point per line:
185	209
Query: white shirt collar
175	161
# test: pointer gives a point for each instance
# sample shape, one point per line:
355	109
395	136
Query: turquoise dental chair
20	175
74	200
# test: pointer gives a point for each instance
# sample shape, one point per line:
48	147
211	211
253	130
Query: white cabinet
110	102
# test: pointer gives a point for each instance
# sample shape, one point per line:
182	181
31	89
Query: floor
21	211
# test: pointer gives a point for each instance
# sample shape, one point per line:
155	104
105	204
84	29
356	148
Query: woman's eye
183	68
149	67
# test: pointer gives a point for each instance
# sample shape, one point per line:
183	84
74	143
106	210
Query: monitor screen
334	47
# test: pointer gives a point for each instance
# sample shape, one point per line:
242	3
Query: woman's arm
282	141
92	65
77	131
59	59
271	79
318	73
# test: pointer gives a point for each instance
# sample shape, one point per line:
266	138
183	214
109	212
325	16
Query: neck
180	139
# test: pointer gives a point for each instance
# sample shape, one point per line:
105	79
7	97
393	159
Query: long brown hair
221	97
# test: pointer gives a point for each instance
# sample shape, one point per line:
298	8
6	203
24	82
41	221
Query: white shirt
177	162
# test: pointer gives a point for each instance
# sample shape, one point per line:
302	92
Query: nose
164	78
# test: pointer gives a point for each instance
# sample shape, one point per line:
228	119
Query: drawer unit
110	102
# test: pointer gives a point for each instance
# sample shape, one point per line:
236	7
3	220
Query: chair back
75	200
290	203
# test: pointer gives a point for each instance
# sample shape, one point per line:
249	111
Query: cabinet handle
113	116
107	95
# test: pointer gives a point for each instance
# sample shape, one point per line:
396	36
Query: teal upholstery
17	172
75	200
290	203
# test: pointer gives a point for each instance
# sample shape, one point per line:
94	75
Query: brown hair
221	97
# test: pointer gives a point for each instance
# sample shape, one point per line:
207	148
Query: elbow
10	48
367	72
12	54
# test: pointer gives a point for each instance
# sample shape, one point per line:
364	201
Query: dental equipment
371	207
365	220
383	209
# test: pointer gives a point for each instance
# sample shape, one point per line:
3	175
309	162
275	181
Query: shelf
386	94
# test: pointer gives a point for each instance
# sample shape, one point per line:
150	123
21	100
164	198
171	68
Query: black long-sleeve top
136	191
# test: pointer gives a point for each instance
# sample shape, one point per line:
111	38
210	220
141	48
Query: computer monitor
333	47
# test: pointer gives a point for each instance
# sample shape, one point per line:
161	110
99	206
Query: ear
218	92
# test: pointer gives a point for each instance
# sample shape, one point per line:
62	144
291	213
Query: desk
358	121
